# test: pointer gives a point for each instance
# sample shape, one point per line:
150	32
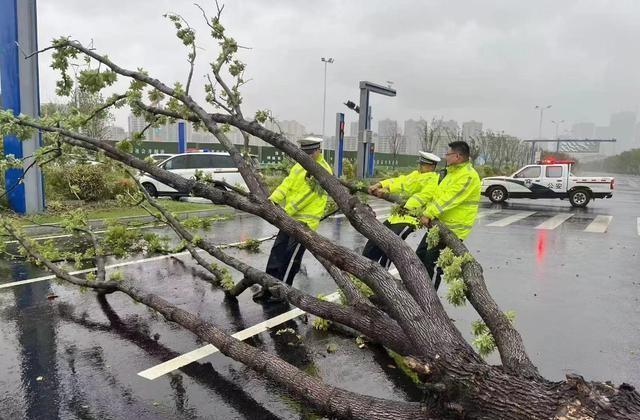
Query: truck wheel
497	194
579	198
153	192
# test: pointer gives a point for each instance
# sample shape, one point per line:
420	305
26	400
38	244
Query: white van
217	164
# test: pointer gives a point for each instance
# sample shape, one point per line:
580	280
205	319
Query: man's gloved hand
372	188
380	192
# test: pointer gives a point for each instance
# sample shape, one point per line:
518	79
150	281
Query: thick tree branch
378	326
104	286
331	400
254	184
427	333
508	340
411	270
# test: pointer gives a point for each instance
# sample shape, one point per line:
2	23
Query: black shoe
261	295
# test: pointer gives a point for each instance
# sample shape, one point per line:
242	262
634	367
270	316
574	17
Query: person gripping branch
419	186
455	204
302	198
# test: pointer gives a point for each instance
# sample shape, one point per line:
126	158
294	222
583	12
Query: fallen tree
406	315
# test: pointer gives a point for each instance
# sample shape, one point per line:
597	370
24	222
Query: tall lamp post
324	102
557	123
541	108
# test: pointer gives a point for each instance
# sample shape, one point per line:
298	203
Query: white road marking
599	224
374	208
197	354
125	218
118	265
68	235
486	213
511	219
555	221
638	226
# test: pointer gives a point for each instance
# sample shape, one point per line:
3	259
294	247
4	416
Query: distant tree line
625	163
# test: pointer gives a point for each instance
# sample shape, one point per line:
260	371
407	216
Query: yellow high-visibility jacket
302	197
456	199
420	187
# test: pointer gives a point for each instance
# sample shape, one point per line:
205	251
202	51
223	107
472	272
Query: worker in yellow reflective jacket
302	197
418	188
455	203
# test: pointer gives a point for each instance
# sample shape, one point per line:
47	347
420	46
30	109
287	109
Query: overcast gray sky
490	60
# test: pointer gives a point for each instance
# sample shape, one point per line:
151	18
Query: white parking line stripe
638	226
118	265
555	221
184	359
599	224
511	219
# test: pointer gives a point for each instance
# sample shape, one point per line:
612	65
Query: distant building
116	133
136	124
447	132
353	129
412	135
389	136
583	130
291	129
471	129
622	126
604	132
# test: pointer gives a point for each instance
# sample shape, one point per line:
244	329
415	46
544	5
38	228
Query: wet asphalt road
575	293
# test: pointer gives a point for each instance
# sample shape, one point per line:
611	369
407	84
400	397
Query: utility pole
541	108
324	101
557	123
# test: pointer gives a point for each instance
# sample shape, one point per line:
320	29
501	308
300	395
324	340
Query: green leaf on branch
321	324
452	268
250	245
116	276
197	223
484	341
433	237
361	286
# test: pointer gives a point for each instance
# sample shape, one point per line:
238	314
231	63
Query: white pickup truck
548	179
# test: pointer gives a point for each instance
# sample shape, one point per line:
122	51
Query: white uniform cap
309	144
426	157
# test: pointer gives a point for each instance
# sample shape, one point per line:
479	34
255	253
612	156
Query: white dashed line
599	224
555	221
486	213
511	219
197	354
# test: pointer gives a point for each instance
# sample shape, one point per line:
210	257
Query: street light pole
557	123
541	108
324	102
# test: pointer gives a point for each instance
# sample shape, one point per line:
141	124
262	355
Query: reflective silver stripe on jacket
452	199
295	205
458	226
418	199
